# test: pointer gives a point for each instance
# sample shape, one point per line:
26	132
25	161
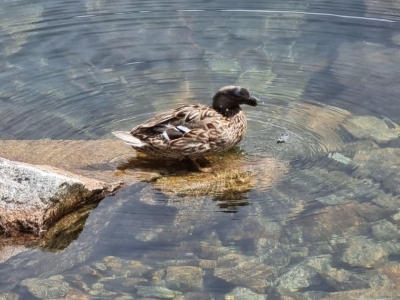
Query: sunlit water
327	75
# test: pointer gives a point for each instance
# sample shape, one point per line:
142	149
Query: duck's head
232	96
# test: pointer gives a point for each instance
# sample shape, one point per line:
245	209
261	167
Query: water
316	217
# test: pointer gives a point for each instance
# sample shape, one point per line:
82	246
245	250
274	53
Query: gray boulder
33	197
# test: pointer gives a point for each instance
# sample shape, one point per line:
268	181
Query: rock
9	296
365	294
385	231
363	252
382	165
254	228
102	293
34	197
339	220
298	277
96	159
305	274
342	280
369	127
241	293
7	252
245	271
158	292
392	271
125	268
46	288
184	277
278	293
198	296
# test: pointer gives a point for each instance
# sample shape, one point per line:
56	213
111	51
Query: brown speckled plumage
192	131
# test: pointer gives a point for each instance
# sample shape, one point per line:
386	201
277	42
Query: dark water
327	75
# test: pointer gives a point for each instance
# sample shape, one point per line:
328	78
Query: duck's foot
198	167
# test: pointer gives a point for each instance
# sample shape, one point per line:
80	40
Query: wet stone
207	263
97	286
368	127
273	253
246	271
305	274
124	297
120	284
365	294
9	296
88	271
46	288
298	277
158	292
102	293
385	231
342	280
299	252
392	271
197	296
185	277
363	252
241	293
279	293
125	268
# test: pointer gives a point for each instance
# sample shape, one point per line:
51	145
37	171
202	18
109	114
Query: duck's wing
187	116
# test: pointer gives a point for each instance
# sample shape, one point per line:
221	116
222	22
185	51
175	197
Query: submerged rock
185	277
368	127
305	274
34	197
46	288
9	296
241	293
155	291
246	271
364	253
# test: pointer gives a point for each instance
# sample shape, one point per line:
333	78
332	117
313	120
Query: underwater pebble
340	158
102	293
369	127
299	252
363	252
207	263
9	296
184	277
245	271
385	231
97	286
100	266
46	288
299	277
305	274
154	291
196	296
396	217
343	280
242	293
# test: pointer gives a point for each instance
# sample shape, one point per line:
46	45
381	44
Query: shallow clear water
326	74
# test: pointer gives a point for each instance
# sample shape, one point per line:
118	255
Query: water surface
327	75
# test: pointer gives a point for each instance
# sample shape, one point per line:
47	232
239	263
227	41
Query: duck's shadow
233	175
164	167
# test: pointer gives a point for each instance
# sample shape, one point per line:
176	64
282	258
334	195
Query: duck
194	131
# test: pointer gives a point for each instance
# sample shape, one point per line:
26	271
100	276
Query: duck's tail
128	138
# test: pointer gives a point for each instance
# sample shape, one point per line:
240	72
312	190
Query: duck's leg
198	167
203	160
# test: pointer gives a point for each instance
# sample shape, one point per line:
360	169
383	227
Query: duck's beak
253	101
